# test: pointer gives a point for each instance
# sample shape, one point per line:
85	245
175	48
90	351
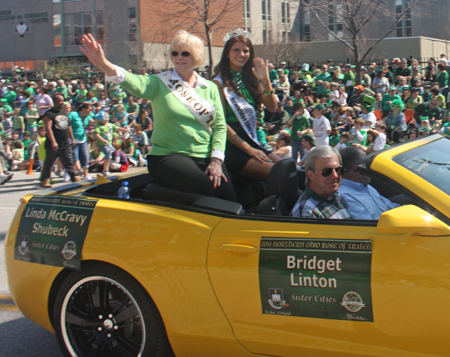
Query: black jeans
65	155
187	174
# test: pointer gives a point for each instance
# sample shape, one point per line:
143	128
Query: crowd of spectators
103	118
396	101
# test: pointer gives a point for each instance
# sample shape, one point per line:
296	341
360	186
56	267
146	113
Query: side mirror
411	219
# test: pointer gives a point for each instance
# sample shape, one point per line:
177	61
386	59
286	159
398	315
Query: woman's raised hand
94	52
261	68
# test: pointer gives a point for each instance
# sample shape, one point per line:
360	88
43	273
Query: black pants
65	155
187	174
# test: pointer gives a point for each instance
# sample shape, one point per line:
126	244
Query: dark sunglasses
328	170
183	54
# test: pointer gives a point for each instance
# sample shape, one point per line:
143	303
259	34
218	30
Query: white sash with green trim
245	113
203	110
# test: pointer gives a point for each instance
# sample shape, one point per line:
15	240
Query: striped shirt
312	205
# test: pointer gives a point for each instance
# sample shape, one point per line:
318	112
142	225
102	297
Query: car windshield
430	161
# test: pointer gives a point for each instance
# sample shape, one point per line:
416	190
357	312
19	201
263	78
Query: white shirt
380	142
320	128
342	99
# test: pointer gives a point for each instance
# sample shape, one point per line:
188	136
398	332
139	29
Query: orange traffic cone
30	165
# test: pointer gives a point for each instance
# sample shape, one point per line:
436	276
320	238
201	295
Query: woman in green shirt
189	136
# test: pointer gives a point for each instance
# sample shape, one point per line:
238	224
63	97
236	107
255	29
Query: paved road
19	337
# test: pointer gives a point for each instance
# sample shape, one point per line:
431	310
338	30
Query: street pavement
19	337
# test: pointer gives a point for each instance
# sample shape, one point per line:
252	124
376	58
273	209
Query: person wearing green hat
396	121
388	98
406	93
367	110
320	125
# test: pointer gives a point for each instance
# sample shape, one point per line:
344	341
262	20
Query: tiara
235	33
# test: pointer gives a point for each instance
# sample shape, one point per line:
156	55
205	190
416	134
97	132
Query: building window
132	26
264	36
305	21
75	26
100	25
335	15
404	18
285	13
57	30
246	9
266	10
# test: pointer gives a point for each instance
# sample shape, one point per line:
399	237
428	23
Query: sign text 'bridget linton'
322	278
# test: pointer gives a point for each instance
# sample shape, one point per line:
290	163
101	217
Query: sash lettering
202	110
244	112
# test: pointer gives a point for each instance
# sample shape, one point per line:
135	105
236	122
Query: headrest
283	182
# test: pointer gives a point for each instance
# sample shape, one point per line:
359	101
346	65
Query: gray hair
317	153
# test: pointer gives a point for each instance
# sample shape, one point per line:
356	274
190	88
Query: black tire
102	311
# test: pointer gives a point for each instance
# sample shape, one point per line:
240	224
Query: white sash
244	112
203	110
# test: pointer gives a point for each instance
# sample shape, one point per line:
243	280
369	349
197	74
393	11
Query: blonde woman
189	135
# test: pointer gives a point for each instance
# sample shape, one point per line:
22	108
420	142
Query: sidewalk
29	183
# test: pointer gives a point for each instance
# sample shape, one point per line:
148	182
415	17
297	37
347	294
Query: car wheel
102	311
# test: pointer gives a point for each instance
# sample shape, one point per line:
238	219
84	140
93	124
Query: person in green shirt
285	70
26	144
133	110
320	78
31	117
388	98
104	135
79	120
5	108
335	137
299	125
442	77
29	88
428	109
10	95
349	78
273	75
62	88
18	122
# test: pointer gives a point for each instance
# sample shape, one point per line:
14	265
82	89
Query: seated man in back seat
364	201
323	177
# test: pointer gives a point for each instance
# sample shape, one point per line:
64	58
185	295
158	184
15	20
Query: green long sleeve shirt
175	129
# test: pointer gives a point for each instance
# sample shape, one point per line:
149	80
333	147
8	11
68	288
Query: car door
291	286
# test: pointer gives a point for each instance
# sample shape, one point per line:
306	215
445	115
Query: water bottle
124	191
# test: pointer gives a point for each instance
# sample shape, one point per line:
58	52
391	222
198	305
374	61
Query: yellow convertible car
170	273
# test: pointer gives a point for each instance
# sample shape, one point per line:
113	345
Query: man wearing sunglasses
364	201
323	177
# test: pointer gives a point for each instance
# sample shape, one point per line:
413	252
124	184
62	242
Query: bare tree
282	49
202	17
358	18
